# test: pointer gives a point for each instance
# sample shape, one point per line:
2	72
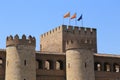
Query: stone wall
53	73
55	40
20	58
52	41
20	63
107	67
79	65
2	64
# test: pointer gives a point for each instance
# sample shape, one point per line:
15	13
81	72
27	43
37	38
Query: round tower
20	58
79	62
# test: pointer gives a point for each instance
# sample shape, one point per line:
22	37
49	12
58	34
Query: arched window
1	62
107	67
91	41
71	41
67	42
97	66
116	67
39	64
59	65
86	41
49	64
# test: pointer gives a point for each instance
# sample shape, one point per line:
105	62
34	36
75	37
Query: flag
67	15
79	18
73	16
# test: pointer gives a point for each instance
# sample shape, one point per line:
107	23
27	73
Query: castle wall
42	74
53	73
80	62
55	40
2	64
20	59
79	65
52	41
112	72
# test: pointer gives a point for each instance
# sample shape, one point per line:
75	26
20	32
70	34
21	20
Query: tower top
67	36
76	30
77	44
14	41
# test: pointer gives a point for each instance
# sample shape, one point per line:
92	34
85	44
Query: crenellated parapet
70	44
77	44
53	31
14	41
55	40
71	29
79	30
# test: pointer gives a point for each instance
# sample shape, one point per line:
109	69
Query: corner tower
79	62
20	58
79	54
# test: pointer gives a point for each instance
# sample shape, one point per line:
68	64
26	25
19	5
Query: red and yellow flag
73	16
67	15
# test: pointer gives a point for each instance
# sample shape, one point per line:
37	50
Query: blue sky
35	17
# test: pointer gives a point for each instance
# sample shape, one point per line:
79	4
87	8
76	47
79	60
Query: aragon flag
73	16
67	15
79	18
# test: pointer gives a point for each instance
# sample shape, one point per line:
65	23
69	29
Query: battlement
58	37
77	44
79	30
53	31
14	41
71	29
70	44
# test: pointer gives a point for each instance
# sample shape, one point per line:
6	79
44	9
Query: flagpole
69	21
82	22
75	21
63	20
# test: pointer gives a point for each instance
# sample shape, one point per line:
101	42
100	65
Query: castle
66	53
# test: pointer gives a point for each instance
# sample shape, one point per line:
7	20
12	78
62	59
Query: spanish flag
67	15
73	16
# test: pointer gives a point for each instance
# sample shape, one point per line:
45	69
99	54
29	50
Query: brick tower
20	58
79	53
